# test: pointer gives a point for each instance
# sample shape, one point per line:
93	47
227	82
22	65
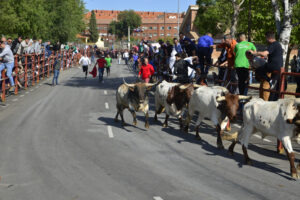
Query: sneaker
12	89
273	84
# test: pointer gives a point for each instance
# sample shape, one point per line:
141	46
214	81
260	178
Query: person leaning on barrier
271	70
7	59
241	62
16	44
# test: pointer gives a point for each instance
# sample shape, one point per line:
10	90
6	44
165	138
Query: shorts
84	68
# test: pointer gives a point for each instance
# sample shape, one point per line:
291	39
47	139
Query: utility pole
178	21
164	25
128	37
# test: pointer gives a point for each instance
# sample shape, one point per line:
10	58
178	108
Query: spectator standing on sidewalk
119	55
241	62
177	46
85	62
7	59
57	66
101	62
108	64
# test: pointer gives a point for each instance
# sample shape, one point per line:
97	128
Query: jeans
9	67
126	61
101	72
55	77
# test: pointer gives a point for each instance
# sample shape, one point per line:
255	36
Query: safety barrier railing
29	69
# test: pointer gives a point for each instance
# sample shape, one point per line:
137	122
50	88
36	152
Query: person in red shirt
146	70
101	64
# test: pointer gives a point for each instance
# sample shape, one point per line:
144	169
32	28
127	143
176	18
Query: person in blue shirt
205	49
177	46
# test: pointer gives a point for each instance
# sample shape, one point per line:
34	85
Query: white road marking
26	92
259	137
22	95
110	132
106	105
15	100
158	198
105	92
31	90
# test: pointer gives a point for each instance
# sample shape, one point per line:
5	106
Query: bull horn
297	101
128	85
151	84
297	122
197	85
242	97
183	87
221	98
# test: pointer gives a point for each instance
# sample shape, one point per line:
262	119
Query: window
162	28
150	27
145	28
162	34
150	35
138	34
105	27
175	34
154	34
168	34
144	34
169	28
175	27
155	27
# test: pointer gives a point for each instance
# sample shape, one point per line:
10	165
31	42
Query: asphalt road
61	143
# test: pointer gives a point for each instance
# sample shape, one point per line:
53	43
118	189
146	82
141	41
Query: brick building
155	25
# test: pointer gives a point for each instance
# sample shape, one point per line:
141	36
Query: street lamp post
178	21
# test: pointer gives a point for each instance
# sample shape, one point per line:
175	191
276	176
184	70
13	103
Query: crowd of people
12	51
185	60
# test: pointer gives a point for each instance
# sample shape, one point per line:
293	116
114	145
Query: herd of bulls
279	118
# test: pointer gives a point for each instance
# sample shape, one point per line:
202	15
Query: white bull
173	97
275	118
215	103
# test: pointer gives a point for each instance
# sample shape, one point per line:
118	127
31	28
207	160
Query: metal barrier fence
29	69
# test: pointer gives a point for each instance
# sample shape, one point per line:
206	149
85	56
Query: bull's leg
166	121
134	117
180	122
122	118
231	147
219	139
116	117
286	141
157	112
247	159
198	122
147	120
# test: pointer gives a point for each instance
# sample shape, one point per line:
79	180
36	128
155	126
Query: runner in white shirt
85	62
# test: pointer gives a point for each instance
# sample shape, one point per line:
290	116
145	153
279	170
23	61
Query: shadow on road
212	150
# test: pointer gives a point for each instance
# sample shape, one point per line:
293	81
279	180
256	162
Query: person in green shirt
241	62
108	64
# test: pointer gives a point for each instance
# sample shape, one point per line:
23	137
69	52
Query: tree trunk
236	11
287	60
285	33
276	15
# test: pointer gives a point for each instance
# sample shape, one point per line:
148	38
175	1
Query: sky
140	5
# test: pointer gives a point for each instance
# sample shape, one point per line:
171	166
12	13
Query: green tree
127	18
93	28
56	20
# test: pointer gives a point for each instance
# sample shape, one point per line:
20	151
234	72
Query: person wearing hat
8	61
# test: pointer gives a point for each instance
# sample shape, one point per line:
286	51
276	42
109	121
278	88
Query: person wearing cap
7	59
